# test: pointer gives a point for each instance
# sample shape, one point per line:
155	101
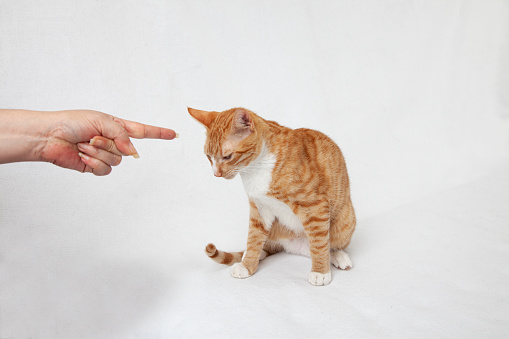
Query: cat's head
232	139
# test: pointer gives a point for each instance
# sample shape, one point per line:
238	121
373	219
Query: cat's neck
257	176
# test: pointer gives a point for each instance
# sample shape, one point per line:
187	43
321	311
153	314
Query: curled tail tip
211	250
225	258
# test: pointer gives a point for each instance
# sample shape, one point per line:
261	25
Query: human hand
90	141
99	155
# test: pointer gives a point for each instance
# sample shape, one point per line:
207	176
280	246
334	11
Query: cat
297	185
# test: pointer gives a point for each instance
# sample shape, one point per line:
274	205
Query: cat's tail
225	258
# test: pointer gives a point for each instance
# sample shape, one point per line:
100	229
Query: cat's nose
217	174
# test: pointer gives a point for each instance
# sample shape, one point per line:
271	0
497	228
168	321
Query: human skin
82	140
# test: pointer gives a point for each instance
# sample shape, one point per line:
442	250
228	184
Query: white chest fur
256	179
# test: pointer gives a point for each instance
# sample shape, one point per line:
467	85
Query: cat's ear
206	118
242	123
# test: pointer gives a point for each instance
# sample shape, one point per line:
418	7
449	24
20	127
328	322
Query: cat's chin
229	176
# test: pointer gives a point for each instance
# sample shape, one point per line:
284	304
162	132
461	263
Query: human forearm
22	134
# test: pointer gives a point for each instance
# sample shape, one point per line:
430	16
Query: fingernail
134	152
92	141
84	156
176	135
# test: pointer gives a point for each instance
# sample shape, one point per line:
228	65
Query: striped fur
297	185
225	258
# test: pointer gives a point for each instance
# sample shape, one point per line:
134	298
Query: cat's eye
228	157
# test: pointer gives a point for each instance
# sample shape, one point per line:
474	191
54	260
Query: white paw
239	271
263	255
341	260
319	279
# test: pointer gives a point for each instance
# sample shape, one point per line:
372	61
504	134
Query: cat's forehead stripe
218	132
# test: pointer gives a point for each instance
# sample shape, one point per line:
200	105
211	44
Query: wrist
22	135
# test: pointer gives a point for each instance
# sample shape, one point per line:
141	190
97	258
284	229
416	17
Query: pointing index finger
141	131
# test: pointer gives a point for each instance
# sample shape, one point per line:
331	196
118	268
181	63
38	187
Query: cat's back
308	146
303	152
297	138
306	158
311	135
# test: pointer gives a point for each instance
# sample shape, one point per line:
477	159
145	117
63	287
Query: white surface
414	92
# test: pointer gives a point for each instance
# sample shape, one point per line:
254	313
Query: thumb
125	145
117	132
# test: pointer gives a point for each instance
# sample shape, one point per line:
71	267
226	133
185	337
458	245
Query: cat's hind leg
264	255
239	271
342	227
341	260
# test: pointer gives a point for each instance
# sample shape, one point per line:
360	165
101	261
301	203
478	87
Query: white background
414	92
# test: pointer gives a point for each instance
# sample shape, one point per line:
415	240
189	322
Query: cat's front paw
239	271
319	279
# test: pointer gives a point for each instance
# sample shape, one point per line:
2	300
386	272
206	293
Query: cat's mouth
229	176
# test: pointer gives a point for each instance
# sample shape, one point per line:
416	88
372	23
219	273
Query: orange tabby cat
297	185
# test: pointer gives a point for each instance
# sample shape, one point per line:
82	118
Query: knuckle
111	146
